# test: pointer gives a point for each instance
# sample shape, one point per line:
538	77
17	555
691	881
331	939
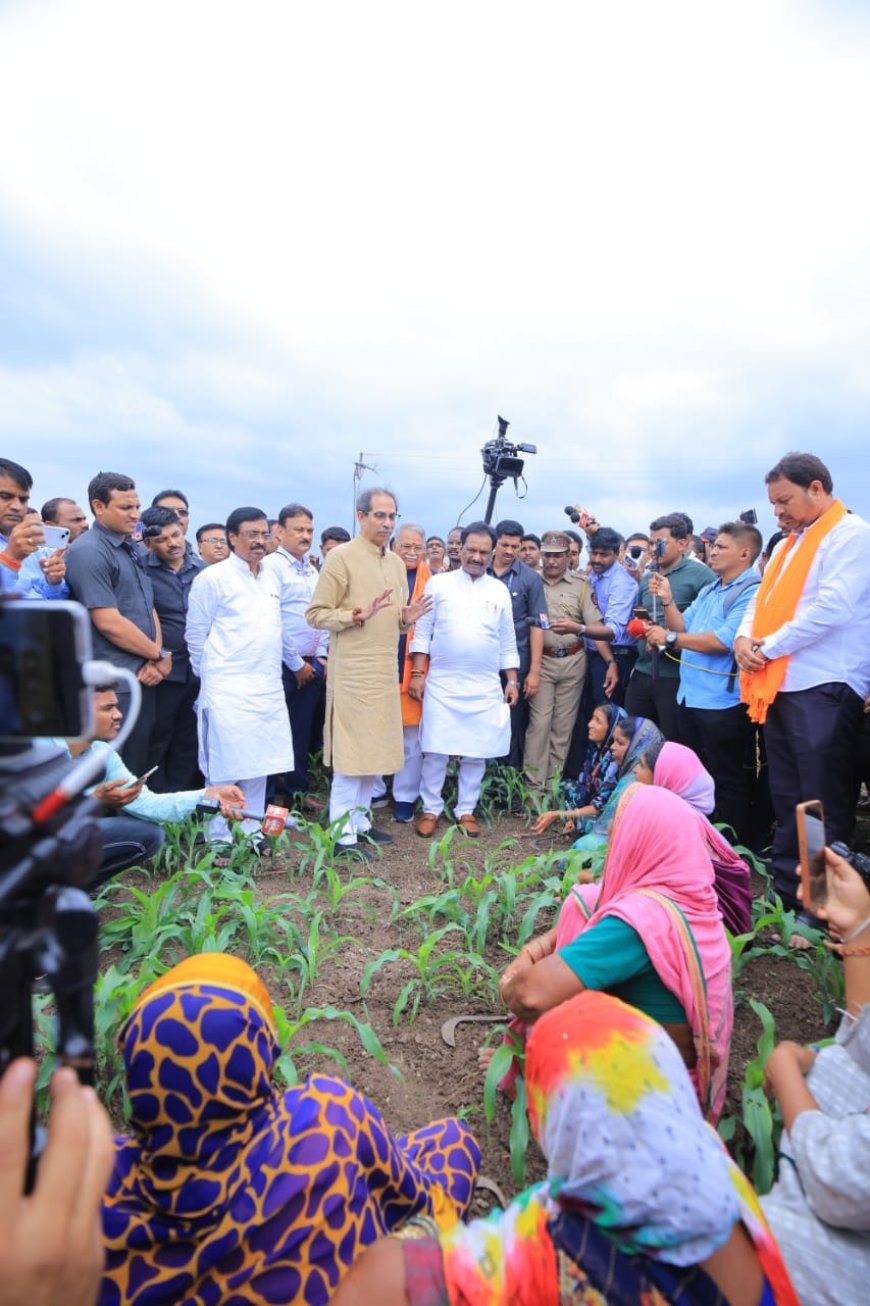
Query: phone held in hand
140	780
56	537
811	851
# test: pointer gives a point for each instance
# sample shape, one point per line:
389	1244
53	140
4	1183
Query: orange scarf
777	601
412	711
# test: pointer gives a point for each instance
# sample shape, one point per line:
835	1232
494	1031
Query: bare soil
433	1079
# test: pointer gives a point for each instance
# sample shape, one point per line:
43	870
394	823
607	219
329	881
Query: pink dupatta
679	769
658	878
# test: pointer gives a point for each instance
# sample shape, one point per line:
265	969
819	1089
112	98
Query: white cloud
289	232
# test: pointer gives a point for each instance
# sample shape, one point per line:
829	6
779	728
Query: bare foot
484	1057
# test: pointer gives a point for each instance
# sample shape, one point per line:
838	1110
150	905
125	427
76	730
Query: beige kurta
363	734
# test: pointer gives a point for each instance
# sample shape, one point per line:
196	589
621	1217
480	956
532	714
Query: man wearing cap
572	616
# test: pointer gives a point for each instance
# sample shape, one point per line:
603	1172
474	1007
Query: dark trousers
136	750
127	841
655	697
519	722
594	696
303	706
724	739
811	737
174	747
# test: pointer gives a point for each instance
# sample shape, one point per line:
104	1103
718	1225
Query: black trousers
174	746
519	722
127	841
811	737
136	751
655	697
724	739
303	706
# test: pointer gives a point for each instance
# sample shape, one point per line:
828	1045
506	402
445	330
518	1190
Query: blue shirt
29	581
698	688
148	806
615	593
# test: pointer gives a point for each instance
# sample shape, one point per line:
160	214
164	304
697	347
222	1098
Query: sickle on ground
448	1029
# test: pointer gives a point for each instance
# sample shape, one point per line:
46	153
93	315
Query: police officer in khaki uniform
572	616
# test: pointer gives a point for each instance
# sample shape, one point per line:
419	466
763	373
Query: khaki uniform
553	710
363	732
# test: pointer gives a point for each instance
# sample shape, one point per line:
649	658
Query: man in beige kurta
361	598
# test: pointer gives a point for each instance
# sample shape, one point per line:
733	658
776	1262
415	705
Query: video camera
50	843
500	459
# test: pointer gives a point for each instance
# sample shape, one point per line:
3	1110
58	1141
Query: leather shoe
468	823
425	824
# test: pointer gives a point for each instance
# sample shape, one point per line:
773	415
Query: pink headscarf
658	878
679	769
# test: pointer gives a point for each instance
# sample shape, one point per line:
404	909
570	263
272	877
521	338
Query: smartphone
43	645
142	778
642	614
811	850
56	537
137	530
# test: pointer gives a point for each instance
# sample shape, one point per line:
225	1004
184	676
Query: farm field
366	963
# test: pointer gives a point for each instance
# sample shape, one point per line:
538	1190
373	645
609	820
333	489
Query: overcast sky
243	243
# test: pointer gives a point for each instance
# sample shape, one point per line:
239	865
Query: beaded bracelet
855	952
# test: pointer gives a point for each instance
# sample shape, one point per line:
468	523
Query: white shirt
469	636
828	639
234	636
297	579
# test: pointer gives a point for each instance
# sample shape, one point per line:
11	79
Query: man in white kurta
467	638
234	636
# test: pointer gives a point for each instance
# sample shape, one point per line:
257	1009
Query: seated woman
819	1207
632	737
650	932
680	769
232	1190
641	1202
586	797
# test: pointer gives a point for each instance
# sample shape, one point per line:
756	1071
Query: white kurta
234	636
469	636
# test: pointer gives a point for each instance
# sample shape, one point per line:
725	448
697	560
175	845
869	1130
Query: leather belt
564	650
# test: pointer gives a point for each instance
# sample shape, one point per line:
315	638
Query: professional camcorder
49	837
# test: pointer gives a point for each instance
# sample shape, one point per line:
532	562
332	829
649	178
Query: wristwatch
164	653
671	638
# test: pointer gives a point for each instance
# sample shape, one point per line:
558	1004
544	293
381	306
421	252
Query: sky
244	244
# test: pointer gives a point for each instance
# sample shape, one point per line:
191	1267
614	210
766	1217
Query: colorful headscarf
646	734
597	764
679	769
627	1151
231	1190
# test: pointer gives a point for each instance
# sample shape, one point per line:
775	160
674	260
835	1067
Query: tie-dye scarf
632	1166
229	1190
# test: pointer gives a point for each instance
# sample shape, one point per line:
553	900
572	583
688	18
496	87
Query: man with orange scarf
804	652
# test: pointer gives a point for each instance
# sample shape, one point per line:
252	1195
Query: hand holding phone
142	778
811	850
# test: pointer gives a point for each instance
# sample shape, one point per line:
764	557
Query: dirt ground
437	1079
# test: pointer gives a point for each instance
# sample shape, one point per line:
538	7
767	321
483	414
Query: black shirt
104	570
528	602
171	594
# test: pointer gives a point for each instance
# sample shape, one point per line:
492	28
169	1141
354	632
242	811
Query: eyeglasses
409	548
181	512
384	516
214	541
255	535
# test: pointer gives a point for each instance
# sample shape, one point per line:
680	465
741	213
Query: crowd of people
667	698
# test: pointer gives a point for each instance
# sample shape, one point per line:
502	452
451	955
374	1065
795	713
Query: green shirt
611	957
686	580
